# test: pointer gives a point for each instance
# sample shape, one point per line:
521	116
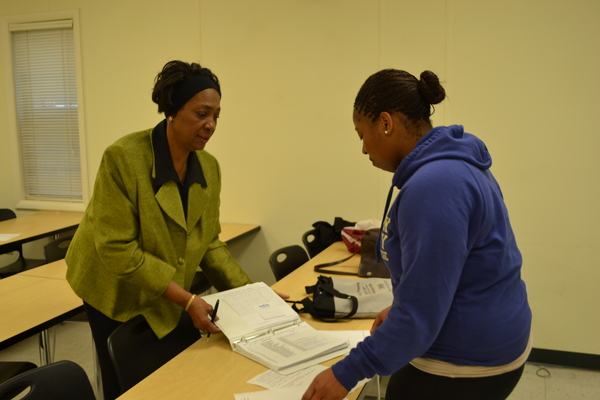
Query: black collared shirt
165	170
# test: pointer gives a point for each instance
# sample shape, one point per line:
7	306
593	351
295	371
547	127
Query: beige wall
522	75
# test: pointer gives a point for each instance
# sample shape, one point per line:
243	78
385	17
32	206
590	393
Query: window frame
19	188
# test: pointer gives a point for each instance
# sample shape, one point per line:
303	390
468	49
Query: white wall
522	75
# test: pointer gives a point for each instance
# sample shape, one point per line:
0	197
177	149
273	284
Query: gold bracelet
189	303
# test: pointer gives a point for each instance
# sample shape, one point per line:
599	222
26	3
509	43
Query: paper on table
353	337
274	380
293	348
7	236
303	378
300	379
275	394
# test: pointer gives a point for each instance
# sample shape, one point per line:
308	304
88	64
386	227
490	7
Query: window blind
47	110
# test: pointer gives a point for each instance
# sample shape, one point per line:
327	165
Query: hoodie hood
443	142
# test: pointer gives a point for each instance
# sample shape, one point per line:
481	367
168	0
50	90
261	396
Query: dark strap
321	267
309	307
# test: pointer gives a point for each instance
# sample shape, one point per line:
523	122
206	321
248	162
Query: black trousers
102	327
410	383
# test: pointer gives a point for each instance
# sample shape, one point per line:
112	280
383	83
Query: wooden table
37	299
32	304
58	269
211	370
233	232
36	226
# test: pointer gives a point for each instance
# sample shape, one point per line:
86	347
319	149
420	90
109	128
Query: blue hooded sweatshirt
454	264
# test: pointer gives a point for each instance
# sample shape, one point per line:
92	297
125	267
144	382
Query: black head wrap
185	90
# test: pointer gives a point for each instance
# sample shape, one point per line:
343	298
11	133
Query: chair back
21	263
286	260
10	369
200	283
7	213
136	351
57	249
63	380
312	242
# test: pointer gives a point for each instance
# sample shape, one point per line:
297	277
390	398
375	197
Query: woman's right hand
200	312
380	318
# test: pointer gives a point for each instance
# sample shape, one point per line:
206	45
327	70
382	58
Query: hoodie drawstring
385	211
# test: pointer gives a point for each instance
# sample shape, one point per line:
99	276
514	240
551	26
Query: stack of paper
289	387
262	326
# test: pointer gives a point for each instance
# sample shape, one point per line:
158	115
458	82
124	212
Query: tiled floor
74	342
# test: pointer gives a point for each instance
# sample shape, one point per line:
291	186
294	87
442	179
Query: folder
263	327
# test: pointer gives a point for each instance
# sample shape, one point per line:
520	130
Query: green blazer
132	241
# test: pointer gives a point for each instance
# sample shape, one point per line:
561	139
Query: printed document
288	387
293	386
262	326
5	237
276	394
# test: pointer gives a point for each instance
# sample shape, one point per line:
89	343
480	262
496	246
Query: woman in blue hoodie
459	325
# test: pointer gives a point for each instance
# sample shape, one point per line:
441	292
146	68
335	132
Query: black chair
136	352
10	369
200	284
57	249
62	380
323	235
312	242
22	263
286	260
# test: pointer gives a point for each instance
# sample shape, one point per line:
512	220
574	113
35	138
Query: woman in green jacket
153	218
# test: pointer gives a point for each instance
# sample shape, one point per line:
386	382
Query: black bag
329	234
339	298
369	267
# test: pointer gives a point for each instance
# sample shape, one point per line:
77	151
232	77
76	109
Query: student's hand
325	386
380	318
200	312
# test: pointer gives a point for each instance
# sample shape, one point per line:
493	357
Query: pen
213	317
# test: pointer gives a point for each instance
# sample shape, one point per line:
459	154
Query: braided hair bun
430	88
392	90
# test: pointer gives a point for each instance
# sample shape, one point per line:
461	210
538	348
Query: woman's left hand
325	386
200	310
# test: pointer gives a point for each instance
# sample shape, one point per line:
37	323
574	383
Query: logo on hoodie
384	236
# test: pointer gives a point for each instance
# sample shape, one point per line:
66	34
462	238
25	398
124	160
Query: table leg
47	340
